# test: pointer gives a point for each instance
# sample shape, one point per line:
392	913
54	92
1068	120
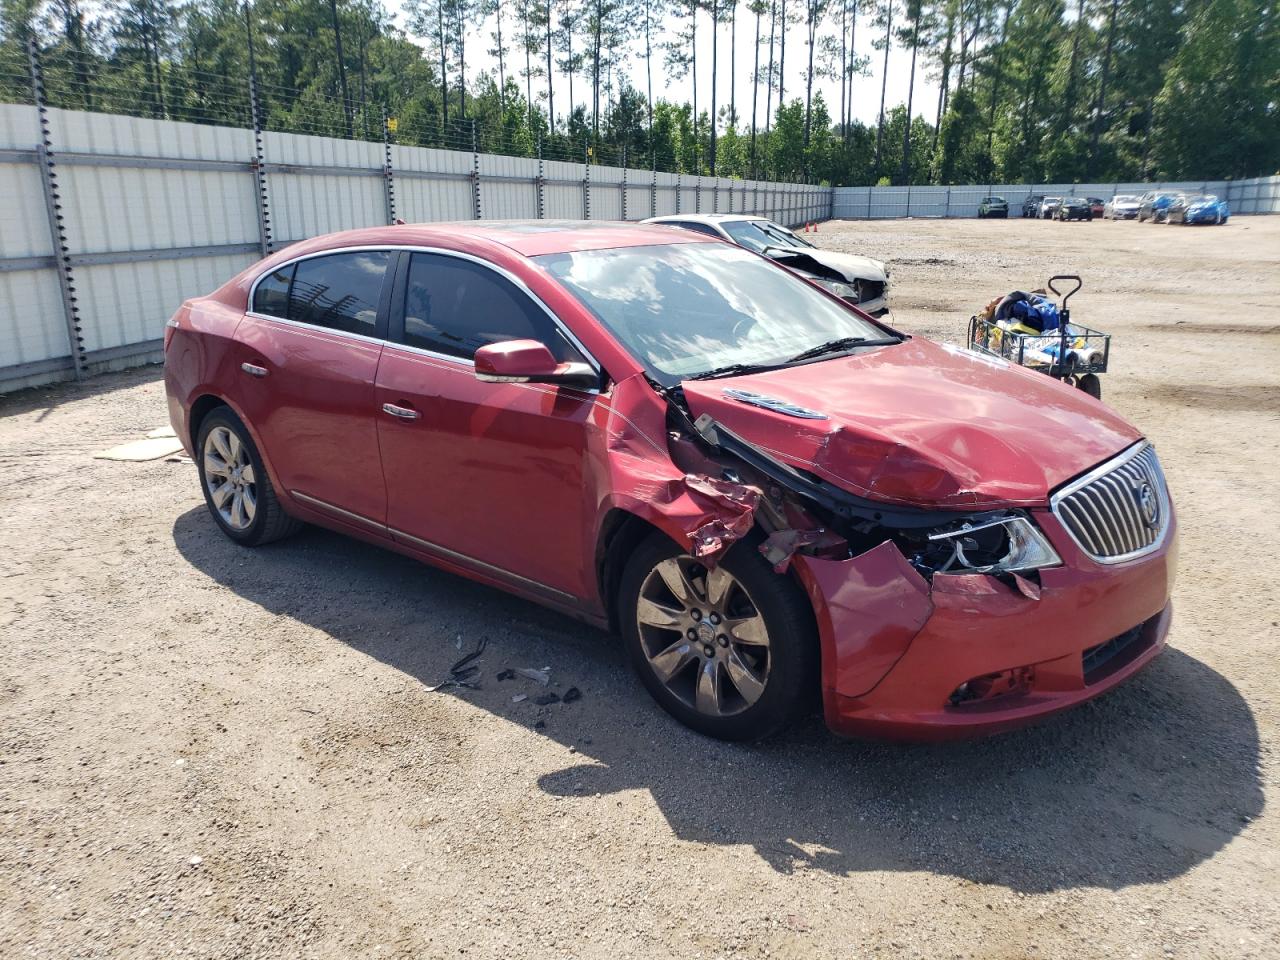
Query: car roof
530	238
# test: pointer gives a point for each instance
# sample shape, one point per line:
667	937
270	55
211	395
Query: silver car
862	281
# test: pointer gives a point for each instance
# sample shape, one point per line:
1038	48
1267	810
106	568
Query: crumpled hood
850	266
923	424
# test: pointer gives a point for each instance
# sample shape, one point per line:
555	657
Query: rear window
272	294
339	291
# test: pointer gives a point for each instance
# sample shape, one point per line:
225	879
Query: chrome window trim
413	248
1102	470
363	338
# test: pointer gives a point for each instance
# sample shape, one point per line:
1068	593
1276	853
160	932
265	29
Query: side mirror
528	361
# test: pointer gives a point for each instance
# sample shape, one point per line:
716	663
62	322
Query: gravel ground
215	752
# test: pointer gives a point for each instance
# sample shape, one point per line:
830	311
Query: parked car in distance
993	207
773	499
1096	205
861	281
1031	205
1049	206
1197	208
1073	208
1155	206
1122	207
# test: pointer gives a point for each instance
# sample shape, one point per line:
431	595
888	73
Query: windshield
687	309
994	200
759	234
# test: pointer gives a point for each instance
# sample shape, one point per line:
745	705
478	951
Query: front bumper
1206	216
1124	214
896	648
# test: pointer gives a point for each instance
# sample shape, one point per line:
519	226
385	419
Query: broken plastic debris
547	699
519	697
542	676
572	694
464	673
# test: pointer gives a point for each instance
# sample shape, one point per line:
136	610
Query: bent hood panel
851	266
921	423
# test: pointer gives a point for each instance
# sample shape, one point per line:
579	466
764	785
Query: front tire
237	489
731	652
1091	384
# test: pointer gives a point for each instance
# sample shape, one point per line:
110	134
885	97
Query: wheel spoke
719	582
237	449
247	474
222	494
656	615
250	502
672	575
219	439
707	698
749	630
215	466
237	510
672	660
743	677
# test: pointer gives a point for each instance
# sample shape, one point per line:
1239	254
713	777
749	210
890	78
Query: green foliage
1032	90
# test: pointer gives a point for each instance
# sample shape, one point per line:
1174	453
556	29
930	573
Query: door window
454	306
340	291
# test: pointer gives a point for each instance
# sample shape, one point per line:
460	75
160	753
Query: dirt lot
216	752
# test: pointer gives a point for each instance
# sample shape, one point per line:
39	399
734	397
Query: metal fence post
541	184
586	183
388	178
697	195
475	171
947	212
624	181
653	194
678	193
53	207
258	167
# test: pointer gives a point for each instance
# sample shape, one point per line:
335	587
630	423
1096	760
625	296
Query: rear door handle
404	413
253	370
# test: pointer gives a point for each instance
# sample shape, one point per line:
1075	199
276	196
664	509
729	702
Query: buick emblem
1149	504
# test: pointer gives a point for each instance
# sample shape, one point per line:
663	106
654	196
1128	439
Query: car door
308	352
486	475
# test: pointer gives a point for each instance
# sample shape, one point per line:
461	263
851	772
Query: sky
866	90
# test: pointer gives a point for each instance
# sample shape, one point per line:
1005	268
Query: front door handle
253	370
404	413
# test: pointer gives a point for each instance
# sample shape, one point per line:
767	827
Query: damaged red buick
773	499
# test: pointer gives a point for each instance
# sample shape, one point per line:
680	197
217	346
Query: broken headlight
845	291
991	543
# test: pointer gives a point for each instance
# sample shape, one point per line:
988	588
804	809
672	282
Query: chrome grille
1119	510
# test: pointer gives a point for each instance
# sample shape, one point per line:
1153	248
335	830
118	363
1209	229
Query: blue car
1198	208
1155	207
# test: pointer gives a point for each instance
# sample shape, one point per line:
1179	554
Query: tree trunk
342	67
1069	95
733	65
755	95
812	26
551	101
768	95
442	37
782	54
911	90
996	77
945	79
884	83
715	55
1101	106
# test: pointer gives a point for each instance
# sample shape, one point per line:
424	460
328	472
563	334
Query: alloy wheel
703	636
230	478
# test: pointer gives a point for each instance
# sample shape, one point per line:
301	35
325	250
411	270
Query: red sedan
771	497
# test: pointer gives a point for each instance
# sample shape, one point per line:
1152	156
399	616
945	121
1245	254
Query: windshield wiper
734	369
835	346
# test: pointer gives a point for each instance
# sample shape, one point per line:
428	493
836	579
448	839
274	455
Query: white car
1122	207
862	281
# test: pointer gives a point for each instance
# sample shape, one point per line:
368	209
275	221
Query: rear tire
675	656
237	488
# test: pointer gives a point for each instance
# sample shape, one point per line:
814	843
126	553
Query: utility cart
1068	352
